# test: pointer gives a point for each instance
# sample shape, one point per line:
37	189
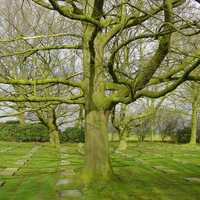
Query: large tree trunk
194	124
98	165
97	107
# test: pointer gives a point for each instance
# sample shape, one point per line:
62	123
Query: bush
12	131
72	134
183	135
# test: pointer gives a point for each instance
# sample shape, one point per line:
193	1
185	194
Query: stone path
66	175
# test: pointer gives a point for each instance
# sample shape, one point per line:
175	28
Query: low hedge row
12	131
36	132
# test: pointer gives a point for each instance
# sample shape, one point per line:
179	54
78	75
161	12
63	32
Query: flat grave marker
70	193
2	183
64	182
9	171
165	169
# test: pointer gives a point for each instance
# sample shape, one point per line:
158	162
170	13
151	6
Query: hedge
37	132
12	131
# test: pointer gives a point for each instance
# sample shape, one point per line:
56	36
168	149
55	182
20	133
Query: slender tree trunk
123	141
98	165
153	128
194	124
53	129
21	118
54	135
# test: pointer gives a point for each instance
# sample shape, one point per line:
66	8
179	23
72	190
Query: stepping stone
69	172
9	172
165	170
65	162
63	181
70	193
193	179
2	183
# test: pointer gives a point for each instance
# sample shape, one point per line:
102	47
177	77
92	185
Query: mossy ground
137	173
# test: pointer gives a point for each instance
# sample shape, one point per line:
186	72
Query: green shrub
12	131
72	134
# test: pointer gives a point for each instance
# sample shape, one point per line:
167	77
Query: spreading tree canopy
109	36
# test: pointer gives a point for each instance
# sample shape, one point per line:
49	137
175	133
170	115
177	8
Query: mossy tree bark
97	109
98	165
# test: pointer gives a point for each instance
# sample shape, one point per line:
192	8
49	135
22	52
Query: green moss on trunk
98	165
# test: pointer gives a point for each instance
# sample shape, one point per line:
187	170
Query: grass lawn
148	171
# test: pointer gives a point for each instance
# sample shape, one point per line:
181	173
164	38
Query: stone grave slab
65	162
21	162
70	193
193	179
9	172
63	181
5	150
64	156
140	161
69	172
181	161
62	151
2	183
165	169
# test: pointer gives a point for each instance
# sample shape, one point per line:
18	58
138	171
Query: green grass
136	176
